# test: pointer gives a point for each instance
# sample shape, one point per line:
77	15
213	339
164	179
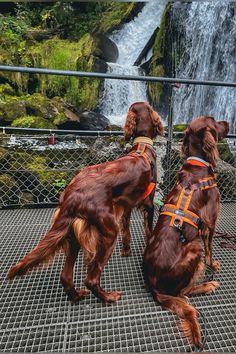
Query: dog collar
143	139
197	161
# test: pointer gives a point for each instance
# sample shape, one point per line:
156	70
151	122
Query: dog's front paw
211	286
215	265
112	296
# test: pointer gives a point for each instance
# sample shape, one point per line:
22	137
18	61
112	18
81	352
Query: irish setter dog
94	203
172	259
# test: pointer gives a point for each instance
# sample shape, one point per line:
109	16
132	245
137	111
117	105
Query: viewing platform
37	317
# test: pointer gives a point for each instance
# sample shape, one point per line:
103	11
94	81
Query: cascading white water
130	40
209	54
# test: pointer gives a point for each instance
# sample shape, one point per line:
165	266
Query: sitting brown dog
172	259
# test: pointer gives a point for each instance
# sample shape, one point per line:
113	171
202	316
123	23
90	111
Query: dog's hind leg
208	238
67	273
204	288
126	237
108	229
148	221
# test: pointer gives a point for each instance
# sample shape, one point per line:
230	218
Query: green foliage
33	122
155	89
115	14
58	54
72	47
7	182
59	119
180	127
225	152
5	91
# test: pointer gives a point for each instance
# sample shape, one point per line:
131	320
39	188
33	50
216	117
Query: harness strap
149	190
179	213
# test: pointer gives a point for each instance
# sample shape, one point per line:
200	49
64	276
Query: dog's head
201	137
142	120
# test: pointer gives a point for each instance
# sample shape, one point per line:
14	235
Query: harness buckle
177	224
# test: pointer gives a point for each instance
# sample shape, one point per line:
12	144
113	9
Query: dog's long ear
210	145
130	124
156	120
185	144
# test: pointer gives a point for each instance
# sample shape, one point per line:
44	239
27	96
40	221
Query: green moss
33	122
224	152
116	13
6	90
157	67
12	109
59	119
180	127
39	105
155	89
3	153
7	182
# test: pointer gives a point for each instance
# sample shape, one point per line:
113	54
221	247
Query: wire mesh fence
34	169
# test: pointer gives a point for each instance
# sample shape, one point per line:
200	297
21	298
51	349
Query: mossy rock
26	198
4	159
8	190
33	122
41	106
117	14
225	153
6	90
161	64
11	110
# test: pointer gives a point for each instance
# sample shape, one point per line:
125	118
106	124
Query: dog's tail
55	240
187	314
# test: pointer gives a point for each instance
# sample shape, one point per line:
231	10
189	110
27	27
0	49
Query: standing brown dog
95	201
172	258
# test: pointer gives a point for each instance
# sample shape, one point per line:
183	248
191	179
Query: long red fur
94	203
171	268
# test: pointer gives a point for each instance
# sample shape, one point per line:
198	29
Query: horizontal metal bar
62	131
79	132
114	76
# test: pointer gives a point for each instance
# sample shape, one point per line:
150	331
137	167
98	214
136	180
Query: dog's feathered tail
55	240
187	314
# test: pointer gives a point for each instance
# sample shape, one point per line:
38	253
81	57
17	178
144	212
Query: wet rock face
93	121
106	49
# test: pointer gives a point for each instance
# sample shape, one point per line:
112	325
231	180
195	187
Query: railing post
169	140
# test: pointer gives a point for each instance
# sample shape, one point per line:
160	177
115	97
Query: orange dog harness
179	213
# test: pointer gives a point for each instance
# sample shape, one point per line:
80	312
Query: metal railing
34	168
34	172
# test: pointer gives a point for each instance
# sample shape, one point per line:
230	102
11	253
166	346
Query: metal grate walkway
36	316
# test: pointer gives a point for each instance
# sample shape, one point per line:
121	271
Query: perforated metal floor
36	316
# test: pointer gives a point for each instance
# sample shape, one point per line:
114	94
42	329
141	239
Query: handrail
47	71
79	132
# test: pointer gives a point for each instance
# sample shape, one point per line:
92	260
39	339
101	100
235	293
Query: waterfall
209	54
130	40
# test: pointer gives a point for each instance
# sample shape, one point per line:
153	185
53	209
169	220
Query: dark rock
93	121
106	49
99	65
147	47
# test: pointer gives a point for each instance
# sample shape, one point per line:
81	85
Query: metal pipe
23	69
80	132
